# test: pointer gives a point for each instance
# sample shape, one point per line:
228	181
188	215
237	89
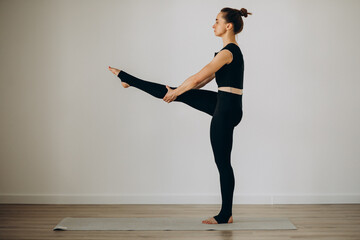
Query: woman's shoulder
232	47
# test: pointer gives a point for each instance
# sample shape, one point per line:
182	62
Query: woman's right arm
206	81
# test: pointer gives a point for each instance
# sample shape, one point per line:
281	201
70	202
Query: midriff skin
231	90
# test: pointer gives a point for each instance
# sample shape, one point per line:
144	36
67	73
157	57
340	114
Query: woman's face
220	25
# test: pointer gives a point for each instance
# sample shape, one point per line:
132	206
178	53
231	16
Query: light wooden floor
323	221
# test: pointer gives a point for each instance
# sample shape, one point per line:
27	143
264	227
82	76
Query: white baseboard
176	199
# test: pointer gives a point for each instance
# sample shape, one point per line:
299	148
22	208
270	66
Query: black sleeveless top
232	74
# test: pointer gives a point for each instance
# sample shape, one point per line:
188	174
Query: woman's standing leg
221	136
200	99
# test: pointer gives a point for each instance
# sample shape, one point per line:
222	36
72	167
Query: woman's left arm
222	58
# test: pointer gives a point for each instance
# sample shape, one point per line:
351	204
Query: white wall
70	133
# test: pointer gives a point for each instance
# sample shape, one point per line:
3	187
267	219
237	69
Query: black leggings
226	111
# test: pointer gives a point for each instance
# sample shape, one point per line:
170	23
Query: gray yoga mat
169	224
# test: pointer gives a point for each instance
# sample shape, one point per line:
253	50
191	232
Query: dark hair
234	16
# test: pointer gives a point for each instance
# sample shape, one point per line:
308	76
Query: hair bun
243	12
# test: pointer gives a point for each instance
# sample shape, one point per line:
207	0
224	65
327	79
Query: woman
225	106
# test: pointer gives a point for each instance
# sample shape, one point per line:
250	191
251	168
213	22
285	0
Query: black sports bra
232	74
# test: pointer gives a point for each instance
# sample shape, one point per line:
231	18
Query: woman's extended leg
200	99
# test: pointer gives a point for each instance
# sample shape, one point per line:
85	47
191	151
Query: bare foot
213	221
116	72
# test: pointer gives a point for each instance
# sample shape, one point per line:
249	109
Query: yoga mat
169	224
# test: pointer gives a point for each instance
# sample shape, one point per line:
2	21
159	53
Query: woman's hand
170	95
